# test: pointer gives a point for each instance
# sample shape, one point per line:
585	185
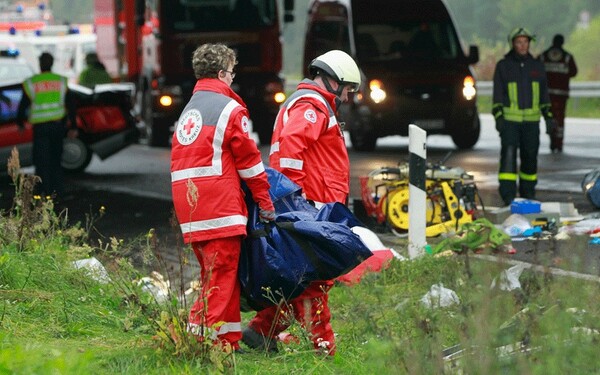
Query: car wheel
76	155
466	138
363	141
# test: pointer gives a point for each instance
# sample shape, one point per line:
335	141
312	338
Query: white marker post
417	149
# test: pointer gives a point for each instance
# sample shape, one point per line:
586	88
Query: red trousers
559	104
310	308
220	318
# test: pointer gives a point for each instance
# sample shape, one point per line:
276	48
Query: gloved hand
550	125
266	216
500	124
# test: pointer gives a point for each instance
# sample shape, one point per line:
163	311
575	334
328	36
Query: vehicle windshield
11	71
406	40
217	15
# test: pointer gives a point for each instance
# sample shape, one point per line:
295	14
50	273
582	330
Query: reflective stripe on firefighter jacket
520	89
308	144
47	92
560	68
211	153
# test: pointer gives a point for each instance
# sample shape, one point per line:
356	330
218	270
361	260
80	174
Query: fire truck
151	42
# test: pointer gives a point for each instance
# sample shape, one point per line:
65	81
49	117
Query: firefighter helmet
339	66
520	31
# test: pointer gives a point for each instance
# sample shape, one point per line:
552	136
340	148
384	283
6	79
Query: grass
56	319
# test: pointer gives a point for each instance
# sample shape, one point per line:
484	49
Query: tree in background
69	11
583	44
486	23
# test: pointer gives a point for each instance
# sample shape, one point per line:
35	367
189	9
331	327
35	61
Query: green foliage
55	318
588	59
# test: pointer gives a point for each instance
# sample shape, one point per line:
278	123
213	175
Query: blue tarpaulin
304	244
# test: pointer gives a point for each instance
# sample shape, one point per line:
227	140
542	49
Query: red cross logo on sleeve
189	127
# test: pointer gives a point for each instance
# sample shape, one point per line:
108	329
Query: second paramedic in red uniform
211	155
560	68
308	146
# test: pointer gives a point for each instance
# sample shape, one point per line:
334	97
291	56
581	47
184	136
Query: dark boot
255	340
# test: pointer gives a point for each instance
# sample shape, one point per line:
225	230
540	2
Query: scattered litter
515	225
562	236
93	268
524	206
476	236
585	226
509	279
438	296
595	241
532	231
156	285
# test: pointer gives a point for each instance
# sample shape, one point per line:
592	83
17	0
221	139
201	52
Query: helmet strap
337	92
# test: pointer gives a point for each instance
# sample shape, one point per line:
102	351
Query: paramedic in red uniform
212	154
560	68
308	147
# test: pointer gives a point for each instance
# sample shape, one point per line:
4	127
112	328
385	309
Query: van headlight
469	91
377	91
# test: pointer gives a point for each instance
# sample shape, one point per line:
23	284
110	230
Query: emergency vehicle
104	118
152	44
66	43
415	69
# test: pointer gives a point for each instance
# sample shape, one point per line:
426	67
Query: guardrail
588	89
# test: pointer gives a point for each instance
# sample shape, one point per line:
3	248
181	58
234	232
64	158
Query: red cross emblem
189	126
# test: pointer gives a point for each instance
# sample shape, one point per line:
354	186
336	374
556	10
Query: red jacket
308	145
211	154
560	68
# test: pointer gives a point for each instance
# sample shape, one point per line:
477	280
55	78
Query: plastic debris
475	236
515	225
509	279
439	296
94	269
156	285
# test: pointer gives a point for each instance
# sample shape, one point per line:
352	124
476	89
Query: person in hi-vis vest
50	104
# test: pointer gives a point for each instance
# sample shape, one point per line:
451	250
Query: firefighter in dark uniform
520	97
560	68
50	103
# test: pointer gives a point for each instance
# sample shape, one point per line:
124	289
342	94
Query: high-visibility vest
47	92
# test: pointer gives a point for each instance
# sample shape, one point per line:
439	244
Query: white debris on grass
93	268
439	296
509	278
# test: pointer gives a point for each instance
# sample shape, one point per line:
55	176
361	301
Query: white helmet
339	66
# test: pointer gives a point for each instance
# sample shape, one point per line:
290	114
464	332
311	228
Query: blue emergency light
11	52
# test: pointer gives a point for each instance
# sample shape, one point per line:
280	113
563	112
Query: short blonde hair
209	59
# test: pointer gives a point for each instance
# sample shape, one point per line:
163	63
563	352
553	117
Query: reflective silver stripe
274	148
197	329
332	122
252	171
184	174
291	103
291	163
48	105
58	113
221	222
216	169
557	67
558	92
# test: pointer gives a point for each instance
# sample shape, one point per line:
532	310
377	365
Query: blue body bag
304	244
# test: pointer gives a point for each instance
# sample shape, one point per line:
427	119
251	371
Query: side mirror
288	11
473	57
140	12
